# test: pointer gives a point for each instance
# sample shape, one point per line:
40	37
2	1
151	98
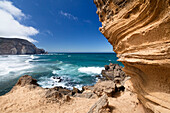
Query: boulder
101	106
53	95
104	87
114	73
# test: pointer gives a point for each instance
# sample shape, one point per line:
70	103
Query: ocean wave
34	57
53	81
91	70
14	65
55	72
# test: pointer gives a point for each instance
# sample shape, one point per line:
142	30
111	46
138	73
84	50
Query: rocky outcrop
139	31
15	46
105	87
26	80
114	73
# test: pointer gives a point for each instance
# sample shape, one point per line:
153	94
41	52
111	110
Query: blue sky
57	25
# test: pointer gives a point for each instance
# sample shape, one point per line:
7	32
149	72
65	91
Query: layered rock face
139	31
14	46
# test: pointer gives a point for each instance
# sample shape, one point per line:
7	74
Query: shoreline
75	70
102	96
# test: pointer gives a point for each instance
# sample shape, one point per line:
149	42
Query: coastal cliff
15	46
139	31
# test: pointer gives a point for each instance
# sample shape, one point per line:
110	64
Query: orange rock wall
139	31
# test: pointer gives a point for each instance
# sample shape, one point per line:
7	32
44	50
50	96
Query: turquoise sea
73	69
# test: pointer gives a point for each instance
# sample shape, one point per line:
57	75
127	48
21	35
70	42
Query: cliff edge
15	46
139	31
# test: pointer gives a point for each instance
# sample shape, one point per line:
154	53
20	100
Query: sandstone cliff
139	31
14	46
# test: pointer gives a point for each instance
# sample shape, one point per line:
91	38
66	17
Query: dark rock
114	73
59	79
98	76
107	67
109	75
62	90
15	46
75	90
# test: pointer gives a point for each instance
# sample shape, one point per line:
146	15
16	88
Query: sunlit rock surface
139	31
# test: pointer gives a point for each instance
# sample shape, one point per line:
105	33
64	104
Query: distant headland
16	46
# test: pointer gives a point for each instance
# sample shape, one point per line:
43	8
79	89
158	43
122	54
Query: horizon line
81	52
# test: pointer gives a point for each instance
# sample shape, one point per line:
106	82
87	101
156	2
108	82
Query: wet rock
98	76
57	79
107	67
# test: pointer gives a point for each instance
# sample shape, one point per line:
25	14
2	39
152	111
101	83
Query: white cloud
10	27
68	15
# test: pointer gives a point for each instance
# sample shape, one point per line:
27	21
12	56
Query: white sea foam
55	72
50	83
14	65
91	70
32	56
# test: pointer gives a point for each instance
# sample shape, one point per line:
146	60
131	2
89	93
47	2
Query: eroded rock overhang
139	31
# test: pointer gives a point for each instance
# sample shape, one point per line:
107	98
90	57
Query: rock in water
15	46
139	31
